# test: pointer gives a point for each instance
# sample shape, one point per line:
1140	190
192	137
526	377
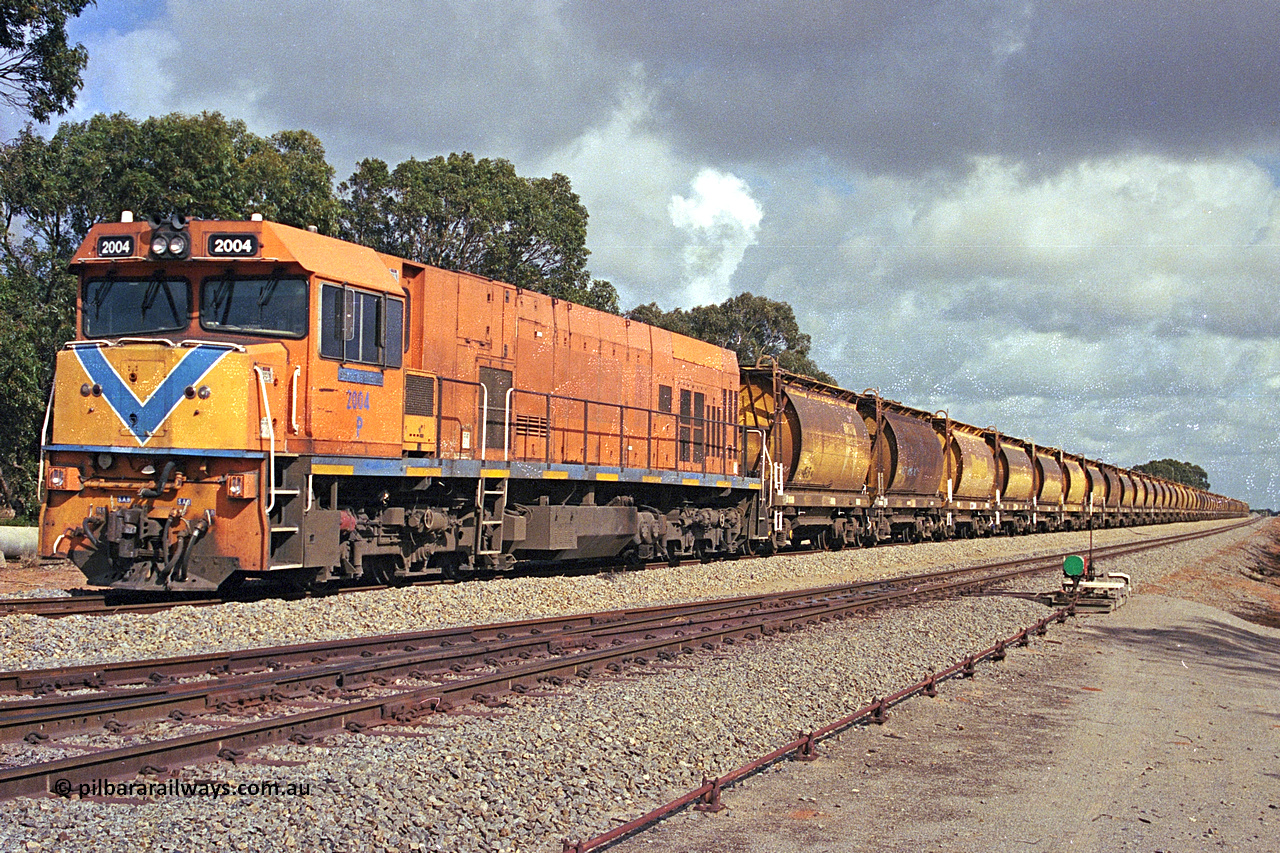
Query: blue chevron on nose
144	418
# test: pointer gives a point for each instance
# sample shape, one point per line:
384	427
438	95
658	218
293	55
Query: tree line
455	211
1176	471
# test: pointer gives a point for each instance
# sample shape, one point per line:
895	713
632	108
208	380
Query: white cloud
720	220
126	73
624	171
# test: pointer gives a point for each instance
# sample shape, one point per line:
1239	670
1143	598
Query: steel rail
400	654
230	742
97	603
40	681
36	720
707	796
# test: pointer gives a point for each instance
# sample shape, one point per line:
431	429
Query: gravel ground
32	642
1151	729
536	771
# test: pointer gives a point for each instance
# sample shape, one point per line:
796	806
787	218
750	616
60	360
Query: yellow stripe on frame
724	484
491	473
555	475
649	478
424	472
333	469
690	481
612	478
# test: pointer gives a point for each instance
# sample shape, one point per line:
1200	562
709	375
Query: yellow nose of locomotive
155	448
153	396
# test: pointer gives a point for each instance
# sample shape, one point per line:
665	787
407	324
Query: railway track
248	698
111	602
414	674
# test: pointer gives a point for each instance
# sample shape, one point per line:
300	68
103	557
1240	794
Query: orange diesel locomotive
247	399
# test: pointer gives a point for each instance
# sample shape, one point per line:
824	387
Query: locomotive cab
205	355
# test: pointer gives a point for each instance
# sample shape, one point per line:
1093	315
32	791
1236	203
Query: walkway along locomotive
249	399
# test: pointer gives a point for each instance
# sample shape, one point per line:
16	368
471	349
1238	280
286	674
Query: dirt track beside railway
1155	728
30	574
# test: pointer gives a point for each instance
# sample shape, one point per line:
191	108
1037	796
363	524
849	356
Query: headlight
158	244
63	478
177	245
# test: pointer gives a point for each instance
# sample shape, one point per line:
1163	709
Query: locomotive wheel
454	566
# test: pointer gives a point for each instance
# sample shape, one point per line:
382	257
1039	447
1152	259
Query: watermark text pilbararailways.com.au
206	788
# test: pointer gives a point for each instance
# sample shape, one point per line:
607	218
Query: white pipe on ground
18	541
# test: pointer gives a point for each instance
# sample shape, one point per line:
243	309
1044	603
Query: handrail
484	421
293	398
271	434
44	436
734	446
506	425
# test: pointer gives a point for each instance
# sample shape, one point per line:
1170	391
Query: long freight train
248	399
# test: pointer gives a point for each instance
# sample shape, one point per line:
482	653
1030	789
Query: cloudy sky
1057	217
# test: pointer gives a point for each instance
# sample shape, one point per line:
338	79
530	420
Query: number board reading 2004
115	247
233	245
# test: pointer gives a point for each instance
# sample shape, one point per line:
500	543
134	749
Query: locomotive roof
277	243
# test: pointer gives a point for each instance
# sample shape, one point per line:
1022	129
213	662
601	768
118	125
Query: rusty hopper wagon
847	468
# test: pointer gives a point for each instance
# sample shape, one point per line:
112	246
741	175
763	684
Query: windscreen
134	306
269	305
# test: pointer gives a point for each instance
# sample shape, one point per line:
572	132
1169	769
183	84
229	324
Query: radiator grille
419	395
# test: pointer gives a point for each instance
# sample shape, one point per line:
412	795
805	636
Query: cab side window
361	327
